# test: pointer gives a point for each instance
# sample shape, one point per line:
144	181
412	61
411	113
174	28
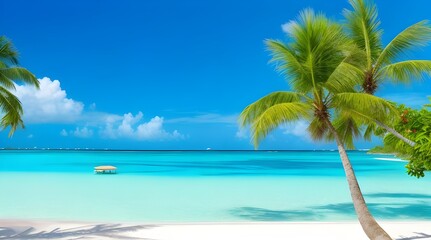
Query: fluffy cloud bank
49	104
81	132
132	127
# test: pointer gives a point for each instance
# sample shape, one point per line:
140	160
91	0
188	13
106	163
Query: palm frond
319	61
417	35
318	129
19	74
369	131
6	82
355	56
406	71
372	129
317	46
287	64
392	140
254	110
7	51
363	27
348	128
344	78
13	120
275	115
369	106
12	108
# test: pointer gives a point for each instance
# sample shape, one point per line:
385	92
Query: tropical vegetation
10	73
317	61
416	125
385	63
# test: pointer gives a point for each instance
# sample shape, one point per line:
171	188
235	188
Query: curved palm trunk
395	133
367	221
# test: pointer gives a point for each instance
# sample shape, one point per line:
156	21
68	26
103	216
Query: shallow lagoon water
205	186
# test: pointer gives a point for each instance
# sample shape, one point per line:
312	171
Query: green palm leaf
417	35
288	64
10	73
12	120
7	52
369	131
319	61
254	110
19	74
315	50
275	115
11	106
392	140
348	128
363	27
318	129
366	105
344	78
407	70
6	82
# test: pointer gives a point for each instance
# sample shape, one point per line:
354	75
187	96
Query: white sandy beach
16	229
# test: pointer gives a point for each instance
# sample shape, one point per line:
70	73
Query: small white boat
105	169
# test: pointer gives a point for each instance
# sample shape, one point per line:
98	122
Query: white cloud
298	129
48	104
82	132
132	127
129	120
151	129
64	133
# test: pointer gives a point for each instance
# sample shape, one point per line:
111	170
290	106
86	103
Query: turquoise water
205	186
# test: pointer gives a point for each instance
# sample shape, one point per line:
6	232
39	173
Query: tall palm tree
10	73
384	63
315	60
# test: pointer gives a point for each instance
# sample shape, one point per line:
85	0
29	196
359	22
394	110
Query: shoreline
173	150
42	229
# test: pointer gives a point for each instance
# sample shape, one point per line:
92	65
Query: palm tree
10	73
315	62
383	63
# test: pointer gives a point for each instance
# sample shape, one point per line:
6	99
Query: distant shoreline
172	150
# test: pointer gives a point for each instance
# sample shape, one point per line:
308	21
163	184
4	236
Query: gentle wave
391	159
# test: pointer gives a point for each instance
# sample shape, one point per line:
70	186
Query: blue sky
164	74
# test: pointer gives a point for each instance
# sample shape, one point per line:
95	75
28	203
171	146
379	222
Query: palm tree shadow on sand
114	231
420	236
407	206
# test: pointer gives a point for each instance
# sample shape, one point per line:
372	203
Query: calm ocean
205	186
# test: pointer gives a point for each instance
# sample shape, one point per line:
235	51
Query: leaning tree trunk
367	221
396	134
